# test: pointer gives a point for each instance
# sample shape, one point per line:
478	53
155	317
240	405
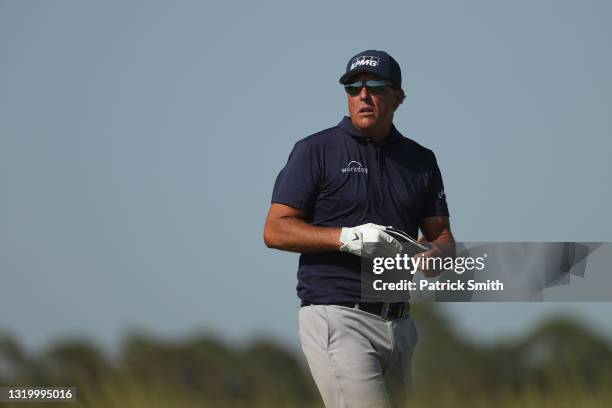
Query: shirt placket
378	172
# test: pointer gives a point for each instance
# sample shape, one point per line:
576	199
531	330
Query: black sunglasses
374	86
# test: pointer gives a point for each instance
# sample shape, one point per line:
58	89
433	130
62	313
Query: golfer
341	187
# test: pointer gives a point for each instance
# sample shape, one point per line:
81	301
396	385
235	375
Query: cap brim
345	78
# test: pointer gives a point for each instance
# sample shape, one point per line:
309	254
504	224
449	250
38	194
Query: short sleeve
435	204
297	184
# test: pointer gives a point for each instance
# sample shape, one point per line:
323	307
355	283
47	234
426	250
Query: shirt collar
347	126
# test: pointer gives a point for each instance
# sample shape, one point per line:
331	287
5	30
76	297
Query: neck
379	133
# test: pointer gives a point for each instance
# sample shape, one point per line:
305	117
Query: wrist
337	237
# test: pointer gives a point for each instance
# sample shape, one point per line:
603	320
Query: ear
399	98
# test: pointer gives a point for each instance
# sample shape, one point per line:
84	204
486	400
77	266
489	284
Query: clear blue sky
139	142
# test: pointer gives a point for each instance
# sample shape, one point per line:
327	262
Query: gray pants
357	359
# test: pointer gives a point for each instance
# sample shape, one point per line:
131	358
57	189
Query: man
340	188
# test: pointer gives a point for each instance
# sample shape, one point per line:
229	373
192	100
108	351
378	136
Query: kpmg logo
364	60
354	167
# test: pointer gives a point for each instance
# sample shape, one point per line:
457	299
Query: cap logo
364	60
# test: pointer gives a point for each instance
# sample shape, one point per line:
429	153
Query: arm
286	229
436	230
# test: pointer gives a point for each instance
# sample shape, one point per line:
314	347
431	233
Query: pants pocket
313	327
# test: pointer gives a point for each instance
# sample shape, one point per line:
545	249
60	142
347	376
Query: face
370	112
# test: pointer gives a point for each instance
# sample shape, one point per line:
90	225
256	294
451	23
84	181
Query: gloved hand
353	238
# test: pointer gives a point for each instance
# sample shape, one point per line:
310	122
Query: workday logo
354	167
364	60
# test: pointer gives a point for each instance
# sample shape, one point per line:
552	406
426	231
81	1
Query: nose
363	93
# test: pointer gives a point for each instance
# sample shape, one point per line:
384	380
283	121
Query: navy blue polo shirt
341	178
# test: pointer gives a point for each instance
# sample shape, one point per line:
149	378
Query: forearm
437	231
446	243
296	235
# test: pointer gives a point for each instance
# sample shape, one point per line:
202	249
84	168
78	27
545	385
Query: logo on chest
354	167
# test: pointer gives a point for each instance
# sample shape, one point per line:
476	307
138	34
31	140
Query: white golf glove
352	240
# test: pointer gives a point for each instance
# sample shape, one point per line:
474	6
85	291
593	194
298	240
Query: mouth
366	111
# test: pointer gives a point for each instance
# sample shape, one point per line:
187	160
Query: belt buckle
384	311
